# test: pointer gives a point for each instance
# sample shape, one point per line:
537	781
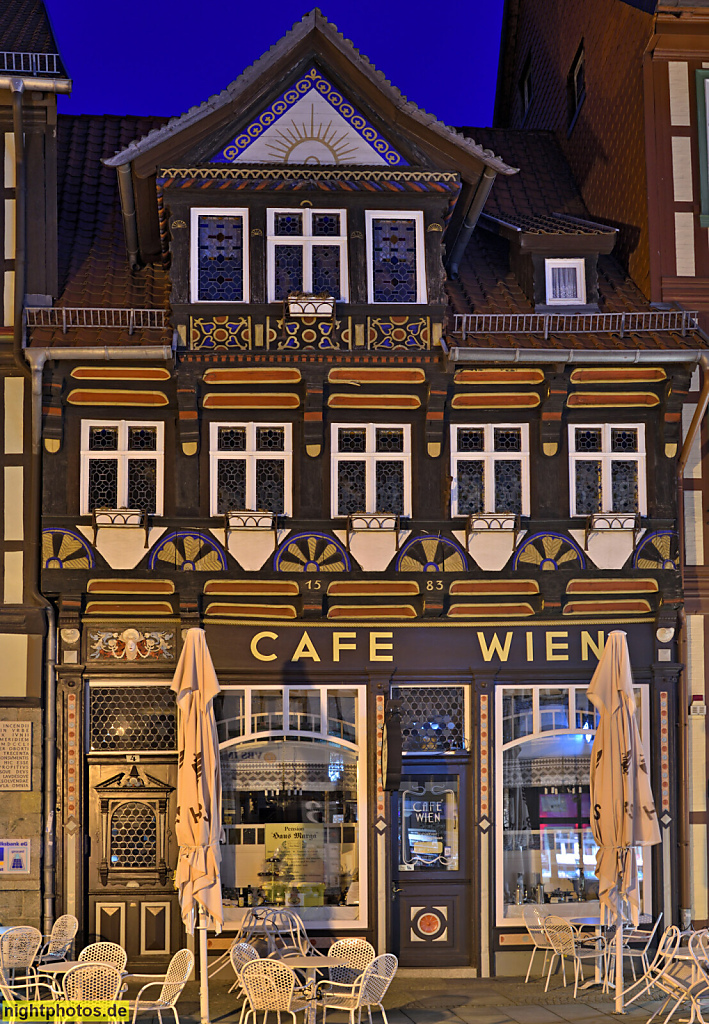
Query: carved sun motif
310	142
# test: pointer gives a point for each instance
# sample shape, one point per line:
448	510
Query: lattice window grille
133	836
607	469
489	469
122	465
371	469
307	252
219	257
395	257
433	718
250	467
132	718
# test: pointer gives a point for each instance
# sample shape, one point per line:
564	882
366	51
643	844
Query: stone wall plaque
16	755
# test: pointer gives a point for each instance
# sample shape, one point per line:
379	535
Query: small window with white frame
250	467
371	465
489	468
565	282
307	253
607	469
219	261
396	271
122	465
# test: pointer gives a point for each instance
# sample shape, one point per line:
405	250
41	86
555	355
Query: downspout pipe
685	890
471	218
130	222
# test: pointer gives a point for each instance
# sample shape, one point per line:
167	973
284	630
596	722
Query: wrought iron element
132	645
606	523
576	323
549	551
120	517
432	718
363	522
95	316
244	520
658	550
498	522
19	63
188	551
132	718
431	553
312	552
64	549
314	305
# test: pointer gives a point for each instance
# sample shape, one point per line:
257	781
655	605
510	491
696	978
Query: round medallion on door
429	924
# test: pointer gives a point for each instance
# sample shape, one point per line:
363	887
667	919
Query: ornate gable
310	123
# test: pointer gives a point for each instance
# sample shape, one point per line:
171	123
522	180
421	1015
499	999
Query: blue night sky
141	57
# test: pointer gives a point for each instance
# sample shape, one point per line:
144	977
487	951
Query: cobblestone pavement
428	1000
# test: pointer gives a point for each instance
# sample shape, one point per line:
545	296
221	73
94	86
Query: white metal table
311	965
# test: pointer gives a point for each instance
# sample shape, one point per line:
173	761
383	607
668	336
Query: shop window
132	718
371	469
395	257
489	469
250	467
121	465
220	270
433	718
607	469
294	797
544	736
307	253
565	282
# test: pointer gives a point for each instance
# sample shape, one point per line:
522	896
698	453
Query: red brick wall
606	147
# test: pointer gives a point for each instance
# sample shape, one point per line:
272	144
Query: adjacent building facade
380	410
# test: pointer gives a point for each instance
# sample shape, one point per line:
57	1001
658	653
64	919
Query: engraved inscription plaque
15	755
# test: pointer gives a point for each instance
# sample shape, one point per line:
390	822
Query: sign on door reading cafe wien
320	646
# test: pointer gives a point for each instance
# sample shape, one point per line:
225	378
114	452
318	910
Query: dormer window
307	253
220	268
565	282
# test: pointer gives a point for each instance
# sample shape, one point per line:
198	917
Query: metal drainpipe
125	188
685	893
471	218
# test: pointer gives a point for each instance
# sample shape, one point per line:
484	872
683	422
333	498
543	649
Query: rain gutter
685	879
534	356
55	85
470	220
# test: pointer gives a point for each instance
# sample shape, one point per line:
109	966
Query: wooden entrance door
431	913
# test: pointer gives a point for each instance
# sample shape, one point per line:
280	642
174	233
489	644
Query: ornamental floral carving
132	645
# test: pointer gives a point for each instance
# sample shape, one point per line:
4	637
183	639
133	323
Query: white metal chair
660	966
92	982
58	945
271	986
358	955
18	952
8	990
287	935
368	990
534	924
684	980
171	986
104	953
250	930
240	954
565	943
635	952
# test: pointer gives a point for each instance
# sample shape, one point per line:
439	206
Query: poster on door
429	826
15	856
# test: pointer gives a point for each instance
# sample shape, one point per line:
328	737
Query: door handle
395	889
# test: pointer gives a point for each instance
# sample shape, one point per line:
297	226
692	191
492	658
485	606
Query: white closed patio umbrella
623	814
199	798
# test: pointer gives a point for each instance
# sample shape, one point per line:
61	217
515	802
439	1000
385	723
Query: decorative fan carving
62	549
549	551
658	550
189	552
431	553
311	552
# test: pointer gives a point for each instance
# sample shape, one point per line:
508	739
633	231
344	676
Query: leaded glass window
395	253
490	469
219	272
121	466
133	836
250	467
612	479
307	253
432	718
371	469
565	282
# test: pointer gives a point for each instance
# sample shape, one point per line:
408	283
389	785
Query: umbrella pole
619	964
203	969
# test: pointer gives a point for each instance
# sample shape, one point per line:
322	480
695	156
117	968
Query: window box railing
496	522
310	305
245	519
125	518
608	522
364	522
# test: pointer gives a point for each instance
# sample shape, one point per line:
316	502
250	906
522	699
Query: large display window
293	797
546	851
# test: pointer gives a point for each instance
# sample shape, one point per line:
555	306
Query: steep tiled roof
25	28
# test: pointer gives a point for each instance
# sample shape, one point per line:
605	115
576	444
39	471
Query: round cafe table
311	965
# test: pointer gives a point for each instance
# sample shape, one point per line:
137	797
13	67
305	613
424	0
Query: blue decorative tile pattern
311	80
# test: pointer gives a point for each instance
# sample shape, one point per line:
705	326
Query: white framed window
543	739
250	467
607	468
565	282
371	468
489	468
396	266
122	465
307	252
219	261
